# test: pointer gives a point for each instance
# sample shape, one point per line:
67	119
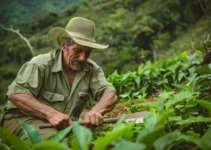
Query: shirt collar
57	66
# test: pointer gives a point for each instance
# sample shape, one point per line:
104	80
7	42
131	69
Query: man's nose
83	57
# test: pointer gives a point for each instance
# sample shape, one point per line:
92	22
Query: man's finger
70	122
93	120
87	119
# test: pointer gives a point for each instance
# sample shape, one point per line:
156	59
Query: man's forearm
30	104
106	103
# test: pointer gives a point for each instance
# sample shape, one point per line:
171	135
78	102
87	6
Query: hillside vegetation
159	60
176	92
136	30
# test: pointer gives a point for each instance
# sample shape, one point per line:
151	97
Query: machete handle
108	120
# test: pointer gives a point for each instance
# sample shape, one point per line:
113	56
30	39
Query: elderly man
54	87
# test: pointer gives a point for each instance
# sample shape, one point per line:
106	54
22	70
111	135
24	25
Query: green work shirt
45	79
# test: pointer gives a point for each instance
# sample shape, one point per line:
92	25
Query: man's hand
59	120
93	118
106	103
28	103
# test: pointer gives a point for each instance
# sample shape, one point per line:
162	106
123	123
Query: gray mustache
77	60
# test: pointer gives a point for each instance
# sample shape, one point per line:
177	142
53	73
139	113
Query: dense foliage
14	12
136	30
179	115
146	61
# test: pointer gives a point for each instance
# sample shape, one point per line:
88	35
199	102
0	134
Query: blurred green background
136	30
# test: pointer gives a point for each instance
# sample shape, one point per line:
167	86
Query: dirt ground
119	109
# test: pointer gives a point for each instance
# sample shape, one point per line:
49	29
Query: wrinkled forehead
78	46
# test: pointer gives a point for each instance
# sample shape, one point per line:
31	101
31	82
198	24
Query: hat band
81	36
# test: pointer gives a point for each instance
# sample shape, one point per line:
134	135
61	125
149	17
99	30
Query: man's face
76	55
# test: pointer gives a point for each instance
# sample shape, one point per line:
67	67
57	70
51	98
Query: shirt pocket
83	97
54	100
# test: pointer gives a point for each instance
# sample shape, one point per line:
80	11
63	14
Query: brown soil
120	108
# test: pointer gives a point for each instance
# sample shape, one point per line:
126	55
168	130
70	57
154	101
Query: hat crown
82	28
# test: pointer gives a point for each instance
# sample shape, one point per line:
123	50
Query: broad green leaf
49	145
15	142
125	95
119	122
65	140
103	142
31	132
162	142
75	144
179	97
164	96
83	135
60	135
167	88
125	76
170	139
194	120
154	105
175	118
205	104
137	80
150	119
4	146
122	144
205	140
149	135
128	134
203	69
189	139
163	116
183	87
180	76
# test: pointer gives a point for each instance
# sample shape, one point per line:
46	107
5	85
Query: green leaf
137	80
163	116
203	69
102	142
167	88
153	105
194	120
60	135
83	135
49	145
149	135
164	96
122	144
125	76
119	122
190	139
4	146
15	142
162	142
179	97
183	87
31	132
75	144
205	140
205	104
170	139
128	133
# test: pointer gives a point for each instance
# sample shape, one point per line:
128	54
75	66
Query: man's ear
63	46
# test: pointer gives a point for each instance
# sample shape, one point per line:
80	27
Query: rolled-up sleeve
28	80
99	84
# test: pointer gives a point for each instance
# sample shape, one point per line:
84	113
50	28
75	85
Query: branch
21	36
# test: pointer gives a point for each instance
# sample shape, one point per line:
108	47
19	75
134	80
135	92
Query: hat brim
57	33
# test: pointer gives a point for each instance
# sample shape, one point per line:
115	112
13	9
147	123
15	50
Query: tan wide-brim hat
80	30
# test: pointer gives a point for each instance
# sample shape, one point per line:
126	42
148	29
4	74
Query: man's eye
77	51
